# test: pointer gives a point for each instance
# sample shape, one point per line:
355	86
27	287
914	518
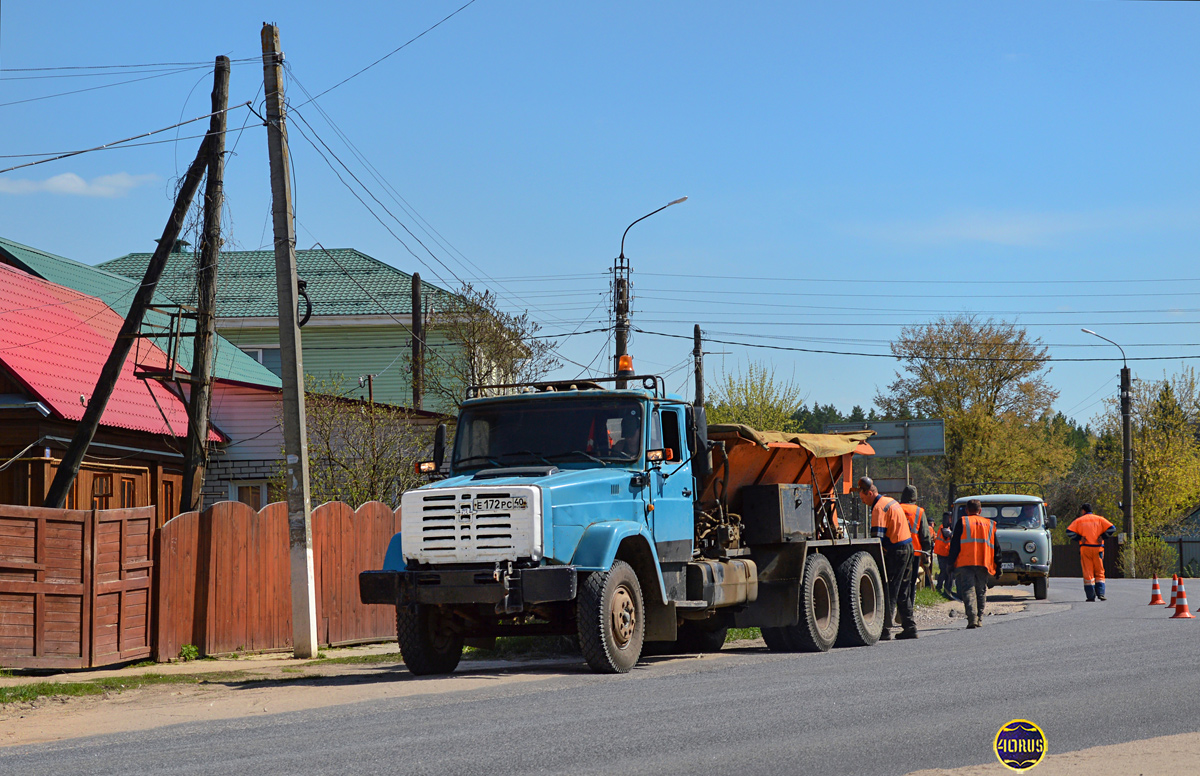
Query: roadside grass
742	634
34	690
927	596
385	657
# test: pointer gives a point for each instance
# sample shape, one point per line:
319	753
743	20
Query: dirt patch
1165	754
953	613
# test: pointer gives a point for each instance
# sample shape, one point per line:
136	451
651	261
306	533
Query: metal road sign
900	438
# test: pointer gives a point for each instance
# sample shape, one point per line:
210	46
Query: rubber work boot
1100	591
1090	592
906	634
971	626
885	635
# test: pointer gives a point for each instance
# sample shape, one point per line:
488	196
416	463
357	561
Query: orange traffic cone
1181	608
1156	598
1174	589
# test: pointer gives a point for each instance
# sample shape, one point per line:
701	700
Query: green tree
488	347
988	380
1166	459
757	398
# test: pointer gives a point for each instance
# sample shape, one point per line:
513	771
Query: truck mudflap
510	591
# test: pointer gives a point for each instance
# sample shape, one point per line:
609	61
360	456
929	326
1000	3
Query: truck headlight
1030	546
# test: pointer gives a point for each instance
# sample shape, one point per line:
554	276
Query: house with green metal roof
361	313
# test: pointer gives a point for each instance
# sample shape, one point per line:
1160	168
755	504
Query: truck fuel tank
722	582
777	513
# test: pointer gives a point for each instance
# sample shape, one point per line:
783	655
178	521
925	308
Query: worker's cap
909	494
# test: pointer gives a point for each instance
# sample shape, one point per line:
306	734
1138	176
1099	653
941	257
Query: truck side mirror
439	446
701	458
1052	522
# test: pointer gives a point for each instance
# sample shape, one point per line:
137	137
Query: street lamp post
621	294
1126	453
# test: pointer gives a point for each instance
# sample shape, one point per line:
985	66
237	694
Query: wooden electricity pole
418	343
68	468
196	455
304	602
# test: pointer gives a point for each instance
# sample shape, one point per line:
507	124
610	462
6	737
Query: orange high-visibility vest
889	522
914	513
941	545
978	543
1091	529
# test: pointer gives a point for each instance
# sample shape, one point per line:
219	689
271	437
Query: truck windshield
1010	515
519	433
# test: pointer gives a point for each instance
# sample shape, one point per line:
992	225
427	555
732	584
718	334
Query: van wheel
611	619
819	615
1040	585
427	644
861	591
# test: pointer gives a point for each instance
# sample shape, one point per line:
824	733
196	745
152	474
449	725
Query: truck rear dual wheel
611	619
427	645
819	615
862	597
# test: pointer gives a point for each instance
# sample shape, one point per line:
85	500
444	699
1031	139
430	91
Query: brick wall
221	473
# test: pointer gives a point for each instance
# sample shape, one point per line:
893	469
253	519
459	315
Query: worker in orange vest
890	526
941	548
922	537
975	556
1089	530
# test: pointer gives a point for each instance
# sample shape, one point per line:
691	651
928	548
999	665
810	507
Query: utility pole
418	343
698	360
304	602
200	401
621	273
68	468
1127	466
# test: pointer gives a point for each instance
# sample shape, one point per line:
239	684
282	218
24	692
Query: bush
188	652
1151	555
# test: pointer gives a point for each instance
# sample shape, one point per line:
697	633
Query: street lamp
621	293
1126	452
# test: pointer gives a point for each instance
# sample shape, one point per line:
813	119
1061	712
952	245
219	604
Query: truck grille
471	525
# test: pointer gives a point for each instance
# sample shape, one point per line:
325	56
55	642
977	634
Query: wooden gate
225	577
75	586
345	542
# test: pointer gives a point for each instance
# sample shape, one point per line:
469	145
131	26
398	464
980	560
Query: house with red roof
53	342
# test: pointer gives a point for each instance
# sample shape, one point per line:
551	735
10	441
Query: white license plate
499	504
1006	566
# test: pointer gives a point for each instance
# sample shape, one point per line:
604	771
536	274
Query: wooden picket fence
75	586
225	579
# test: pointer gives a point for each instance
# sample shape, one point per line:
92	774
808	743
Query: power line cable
119	142
390	53
101	86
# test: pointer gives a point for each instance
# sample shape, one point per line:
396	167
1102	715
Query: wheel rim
867	602
822	604
440	637
624	616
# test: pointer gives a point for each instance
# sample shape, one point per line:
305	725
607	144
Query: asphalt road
1087	673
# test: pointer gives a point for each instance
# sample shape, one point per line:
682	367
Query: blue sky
851	167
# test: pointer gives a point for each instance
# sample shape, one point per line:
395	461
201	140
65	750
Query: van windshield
523	433
1010	515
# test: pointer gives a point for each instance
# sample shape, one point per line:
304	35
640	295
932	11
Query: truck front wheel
427	643
1039	588
611	618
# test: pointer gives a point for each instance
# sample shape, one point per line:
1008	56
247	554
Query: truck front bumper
509	591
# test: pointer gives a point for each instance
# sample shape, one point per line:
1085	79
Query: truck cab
594	510
1023	534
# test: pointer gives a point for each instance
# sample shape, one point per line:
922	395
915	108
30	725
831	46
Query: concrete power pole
418	343
621	272
304	602
698	360
196	453
1127	467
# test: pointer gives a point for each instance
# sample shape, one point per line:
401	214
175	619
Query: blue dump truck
609	510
